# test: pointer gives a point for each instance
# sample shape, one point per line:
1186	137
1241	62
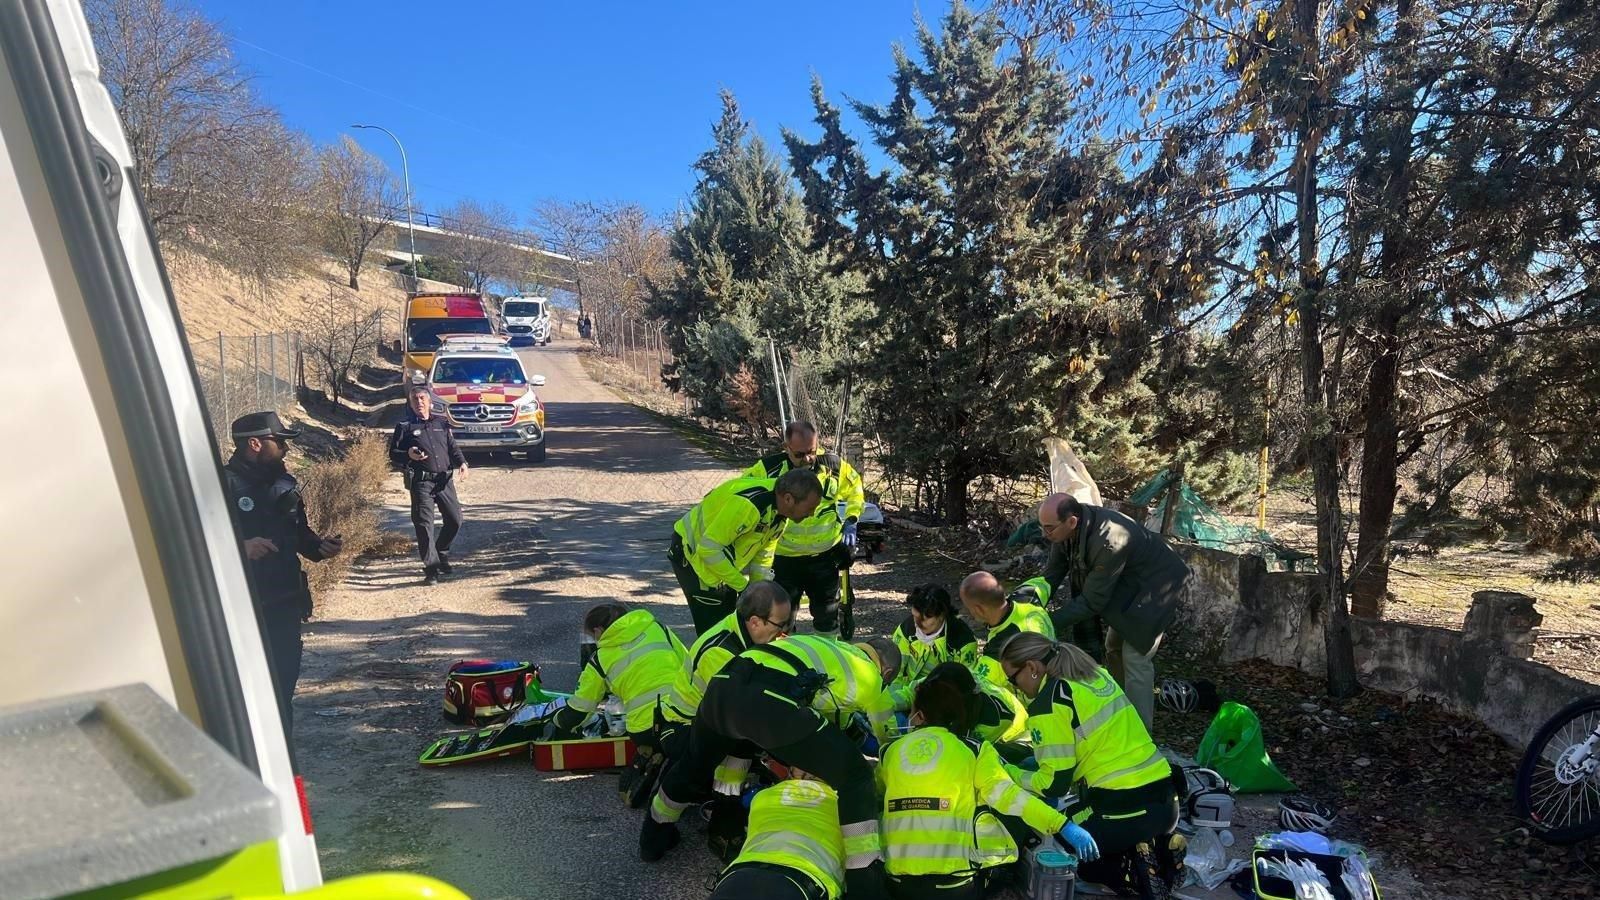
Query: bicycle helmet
1177	695
1208	801
1301	813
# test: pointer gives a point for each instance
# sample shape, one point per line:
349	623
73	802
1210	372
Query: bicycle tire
847	608
1531	759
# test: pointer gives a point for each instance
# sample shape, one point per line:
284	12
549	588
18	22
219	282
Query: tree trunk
355	282
955	498
1380	447
1322	439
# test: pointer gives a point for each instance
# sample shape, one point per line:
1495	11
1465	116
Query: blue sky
520	101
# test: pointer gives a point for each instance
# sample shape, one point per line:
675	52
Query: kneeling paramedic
943	795
728	539
794	849
1086	732
791	698
636	658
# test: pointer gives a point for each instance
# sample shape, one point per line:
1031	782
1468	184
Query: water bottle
616	719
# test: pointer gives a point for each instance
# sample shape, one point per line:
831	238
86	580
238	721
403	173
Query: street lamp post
405	168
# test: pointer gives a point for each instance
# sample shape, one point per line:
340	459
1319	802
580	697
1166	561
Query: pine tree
745	272
986	337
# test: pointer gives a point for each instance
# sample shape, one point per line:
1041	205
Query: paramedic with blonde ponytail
1085	732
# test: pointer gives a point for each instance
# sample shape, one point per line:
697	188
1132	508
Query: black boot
444	563
430	576
656	838
726	830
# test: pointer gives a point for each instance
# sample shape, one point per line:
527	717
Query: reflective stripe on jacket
841	483
730	535
796	824
637	659
940	797
854	683
707	655
1091	733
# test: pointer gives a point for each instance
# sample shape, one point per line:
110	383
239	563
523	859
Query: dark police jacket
1120	571
433	436
265	502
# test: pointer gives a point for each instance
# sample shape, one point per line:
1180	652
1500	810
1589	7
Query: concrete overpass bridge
442	237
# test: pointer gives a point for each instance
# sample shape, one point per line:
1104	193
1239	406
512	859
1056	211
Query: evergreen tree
971	253
745	272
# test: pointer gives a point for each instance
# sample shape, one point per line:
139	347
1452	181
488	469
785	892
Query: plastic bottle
616	719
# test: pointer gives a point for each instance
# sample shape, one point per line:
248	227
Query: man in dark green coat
1122	573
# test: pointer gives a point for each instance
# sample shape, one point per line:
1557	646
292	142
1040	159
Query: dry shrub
341	497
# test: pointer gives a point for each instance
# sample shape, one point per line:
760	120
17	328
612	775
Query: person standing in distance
270	521
1116	569
812	551
424	445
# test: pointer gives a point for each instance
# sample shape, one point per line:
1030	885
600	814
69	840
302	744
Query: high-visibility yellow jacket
1002	716
840	484
918	657
795	824
637	658
1021	617
707	655
854	684
730	536
1088	733
940	796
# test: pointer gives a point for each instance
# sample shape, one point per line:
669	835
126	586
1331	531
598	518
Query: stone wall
1238	610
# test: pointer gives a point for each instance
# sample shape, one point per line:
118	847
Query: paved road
542	544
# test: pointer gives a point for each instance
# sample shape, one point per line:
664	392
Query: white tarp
1068	474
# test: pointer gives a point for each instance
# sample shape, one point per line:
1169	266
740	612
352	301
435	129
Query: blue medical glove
850	535
1082	842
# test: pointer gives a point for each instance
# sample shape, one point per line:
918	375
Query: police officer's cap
260	425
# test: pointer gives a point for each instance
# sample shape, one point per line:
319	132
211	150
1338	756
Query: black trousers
280	633
754	704
818	578
1120	819
745	881
708	604
430	491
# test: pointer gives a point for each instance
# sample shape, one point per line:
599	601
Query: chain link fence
245	373
252	372
637	345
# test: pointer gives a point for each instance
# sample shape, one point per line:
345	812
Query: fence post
272	363
222	375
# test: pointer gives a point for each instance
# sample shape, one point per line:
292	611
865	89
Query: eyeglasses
1012	678
781	626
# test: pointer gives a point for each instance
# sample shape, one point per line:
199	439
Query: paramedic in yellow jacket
636	658
811	552
1086	733
794	849
728	539
790	698
943	793
931	634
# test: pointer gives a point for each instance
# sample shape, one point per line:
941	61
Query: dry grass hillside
213	300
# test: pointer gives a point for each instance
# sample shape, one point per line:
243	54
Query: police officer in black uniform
270	520
424	445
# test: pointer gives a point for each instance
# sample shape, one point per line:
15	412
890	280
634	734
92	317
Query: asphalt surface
542	544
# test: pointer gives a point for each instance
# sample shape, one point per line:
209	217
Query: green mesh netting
1197	521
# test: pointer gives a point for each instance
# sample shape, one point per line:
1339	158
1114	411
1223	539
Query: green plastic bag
1233	746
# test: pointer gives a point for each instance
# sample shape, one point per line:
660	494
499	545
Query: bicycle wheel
1558	783
847	607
